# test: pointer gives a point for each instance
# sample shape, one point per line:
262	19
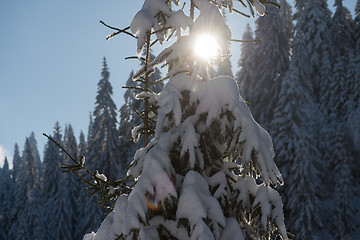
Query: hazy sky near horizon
51	58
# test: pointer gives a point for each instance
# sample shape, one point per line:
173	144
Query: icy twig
118	31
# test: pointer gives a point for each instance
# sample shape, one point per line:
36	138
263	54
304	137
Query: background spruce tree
102	146
343	38
297	153
16	162
313	24
246	64
22	227
128	119
343	216
272	56
55	190
6	199
104	135
73	184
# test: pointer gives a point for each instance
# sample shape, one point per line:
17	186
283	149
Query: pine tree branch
241	13
244	5
137	88
99	184
246	41
118	31
161	30
136	112
154	42
135	57
159	80
251	8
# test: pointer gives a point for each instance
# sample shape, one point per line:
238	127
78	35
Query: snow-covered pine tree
37	213
23	227
82	147
313	19
245	75
55	191
353	69
102	153
187	182
83	194
35	152
272	56
297	153
73	185
103	144
287	20
343	39
85	224
6	199
343	217
16	162
224	64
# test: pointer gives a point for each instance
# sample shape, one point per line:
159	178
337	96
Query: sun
206	47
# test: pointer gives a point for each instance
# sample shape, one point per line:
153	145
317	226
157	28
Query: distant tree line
38	201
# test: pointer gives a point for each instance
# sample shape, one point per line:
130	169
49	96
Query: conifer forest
200	149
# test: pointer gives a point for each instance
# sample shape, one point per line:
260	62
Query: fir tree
35	150
287	20
6	199
271	57
73	185
187	181
103	155
16	163
37	213
85	224
342	34
244	76
343	217
55	191
224	65
297	153
338	98
342	29
314	26
22	228
104	135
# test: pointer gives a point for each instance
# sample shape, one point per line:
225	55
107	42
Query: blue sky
51	58
50	63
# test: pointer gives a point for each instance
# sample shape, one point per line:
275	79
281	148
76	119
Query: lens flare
163	186
206	46
152	203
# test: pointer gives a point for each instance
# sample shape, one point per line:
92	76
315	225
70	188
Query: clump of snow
196	203
145	20
152	97
100	176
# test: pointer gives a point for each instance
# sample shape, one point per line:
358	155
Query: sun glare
206	46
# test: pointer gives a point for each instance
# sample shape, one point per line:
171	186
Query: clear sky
51	58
